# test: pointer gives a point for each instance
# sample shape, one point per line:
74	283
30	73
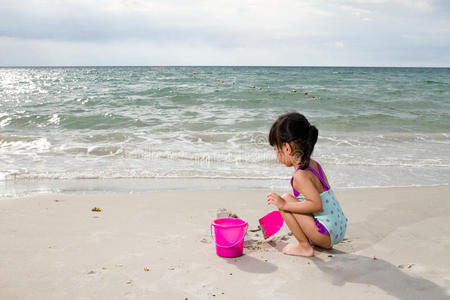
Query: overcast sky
225	32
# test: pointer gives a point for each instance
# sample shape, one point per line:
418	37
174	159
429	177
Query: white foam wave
106	150
5	122
38	145
54	119
121	175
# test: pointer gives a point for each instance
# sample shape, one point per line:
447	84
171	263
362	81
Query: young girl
313	214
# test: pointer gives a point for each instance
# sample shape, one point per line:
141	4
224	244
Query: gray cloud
338	32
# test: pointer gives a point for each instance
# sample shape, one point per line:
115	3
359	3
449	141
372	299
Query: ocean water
137	129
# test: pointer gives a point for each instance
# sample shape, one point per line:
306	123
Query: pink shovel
271	223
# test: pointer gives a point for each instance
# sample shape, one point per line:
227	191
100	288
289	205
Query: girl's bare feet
299	249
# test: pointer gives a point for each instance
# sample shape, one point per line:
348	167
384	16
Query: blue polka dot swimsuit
331	219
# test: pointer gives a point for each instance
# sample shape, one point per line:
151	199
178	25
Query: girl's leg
309	227
305	231
303	248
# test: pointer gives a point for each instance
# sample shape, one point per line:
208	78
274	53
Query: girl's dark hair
295	129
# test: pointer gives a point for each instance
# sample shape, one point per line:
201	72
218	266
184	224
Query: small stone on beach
225	213
409	266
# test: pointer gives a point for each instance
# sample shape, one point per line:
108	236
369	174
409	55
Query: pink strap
319	175
320	169
325	185
294	191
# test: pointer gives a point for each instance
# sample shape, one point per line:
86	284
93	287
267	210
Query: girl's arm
303	184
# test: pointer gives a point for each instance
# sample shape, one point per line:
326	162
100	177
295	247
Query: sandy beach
158	246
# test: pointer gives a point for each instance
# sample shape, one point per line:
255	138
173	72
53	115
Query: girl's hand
275	199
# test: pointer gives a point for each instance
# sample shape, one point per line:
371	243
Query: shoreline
56	247
34	187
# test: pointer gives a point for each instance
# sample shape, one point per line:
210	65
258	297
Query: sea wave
27	145
163	122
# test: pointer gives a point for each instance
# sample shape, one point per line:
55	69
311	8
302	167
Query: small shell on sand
256	229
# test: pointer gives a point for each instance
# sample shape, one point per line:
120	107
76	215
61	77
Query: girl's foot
299	250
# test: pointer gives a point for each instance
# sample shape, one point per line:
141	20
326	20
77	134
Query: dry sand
157	246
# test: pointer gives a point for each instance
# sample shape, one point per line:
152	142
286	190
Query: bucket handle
240	240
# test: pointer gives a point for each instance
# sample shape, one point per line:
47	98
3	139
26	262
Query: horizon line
197	66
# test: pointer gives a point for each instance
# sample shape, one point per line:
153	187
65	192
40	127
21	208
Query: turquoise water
89	128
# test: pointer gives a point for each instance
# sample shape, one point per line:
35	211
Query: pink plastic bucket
229	236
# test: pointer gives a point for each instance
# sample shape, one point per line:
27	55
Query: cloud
148	20
293	32
339	45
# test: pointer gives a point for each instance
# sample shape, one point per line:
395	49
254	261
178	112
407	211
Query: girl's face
284	155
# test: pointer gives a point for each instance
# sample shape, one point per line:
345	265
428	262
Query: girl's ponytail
309	144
